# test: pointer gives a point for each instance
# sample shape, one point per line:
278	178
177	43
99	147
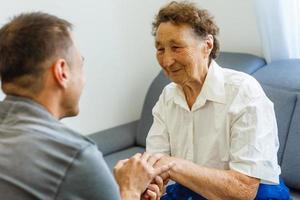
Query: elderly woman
216	124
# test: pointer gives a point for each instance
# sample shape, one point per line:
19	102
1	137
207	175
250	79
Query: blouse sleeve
254	138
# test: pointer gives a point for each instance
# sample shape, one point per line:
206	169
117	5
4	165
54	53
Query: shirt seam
69	167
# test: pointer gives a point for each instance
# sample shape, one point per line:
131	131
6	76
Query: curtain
279	28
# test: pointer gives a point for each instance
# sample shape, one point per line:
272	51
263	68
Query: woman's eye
159	50
175	47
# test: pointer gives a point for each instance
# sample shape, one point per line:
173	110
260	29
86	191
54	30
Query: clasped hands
143	176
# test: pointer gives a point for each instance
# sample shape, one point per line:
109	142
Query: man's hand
135	174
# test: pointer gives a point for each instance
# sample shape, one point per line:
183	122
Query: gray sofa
281	83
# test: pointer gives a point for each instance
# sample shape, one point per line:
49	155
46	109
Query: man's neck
48	101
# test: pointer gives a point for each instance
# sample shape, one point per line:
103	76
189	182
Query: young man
42	75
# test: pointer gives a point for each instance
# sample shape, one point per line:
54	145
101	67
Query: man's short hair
27	42
185	12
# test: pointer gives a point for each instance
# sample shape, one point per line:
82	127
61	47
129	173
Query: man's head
185	39
38	57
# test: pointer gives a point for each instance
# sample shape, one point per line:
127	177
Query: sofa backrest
239	61
152	96
284	105
284	75
290	165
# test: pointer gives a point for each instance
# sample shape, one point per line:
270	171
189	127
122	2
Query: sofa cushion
115	139
240	61
281	74
284	104
291	158
113	158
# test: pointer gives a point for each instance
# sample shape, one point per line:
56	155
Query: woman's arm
212	183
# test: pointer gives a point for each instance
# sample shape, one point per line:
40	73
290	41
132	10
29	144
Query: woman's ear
209	41
61	72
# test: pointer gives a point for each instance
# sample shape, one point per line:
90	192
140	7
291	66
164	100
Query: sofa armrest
116	138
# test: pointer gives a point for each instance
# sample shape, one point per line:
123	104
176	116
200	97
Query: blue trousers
265	192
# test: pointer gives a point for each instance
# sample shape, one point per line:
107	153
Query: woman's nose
167	60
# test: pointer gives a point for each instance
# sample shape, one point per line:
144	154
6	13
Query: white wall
237	22
114	37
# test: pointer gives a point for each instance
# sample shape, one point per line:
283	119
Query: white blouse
231	125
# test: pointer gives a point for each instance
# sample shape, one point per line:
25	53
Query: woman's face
181	53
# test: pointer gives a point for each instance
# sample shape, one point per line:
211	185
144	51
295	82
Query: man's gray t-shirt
40	158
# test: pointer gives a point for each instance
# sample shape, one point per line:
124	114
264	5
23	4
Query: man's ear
60	70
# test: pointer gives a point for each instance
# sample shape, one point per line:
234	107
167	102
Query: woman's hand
155	190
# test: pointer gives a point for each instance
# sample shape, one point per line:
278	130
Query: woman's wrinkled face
180	52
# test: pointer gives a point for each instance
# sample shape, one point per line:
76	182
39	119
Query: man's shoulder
88	177
45	153
32	122
54	135
70	137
